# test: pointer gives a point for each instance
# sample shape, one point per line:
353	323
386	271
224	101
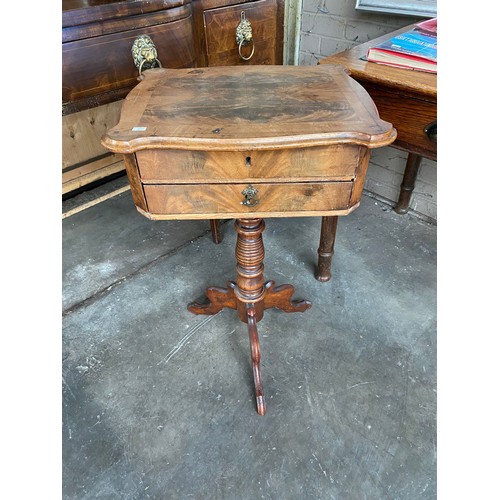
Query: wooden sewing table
248	143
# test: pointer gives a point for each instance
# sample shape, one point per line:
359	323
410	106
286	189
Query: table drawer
409	116
184	201
332	162
220	33
101	64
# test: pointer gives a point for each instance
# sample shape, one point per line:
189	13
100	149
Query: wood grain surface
301	164
225	200
220	27
246	108
105	62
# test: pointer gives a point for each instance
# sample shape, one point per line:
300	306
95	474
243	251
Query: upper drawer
79	12
104	64
301	164
220	33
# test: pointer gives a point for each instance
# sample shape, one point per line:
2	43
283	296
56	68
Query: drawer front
104	64
301	164
409	116
227	199
220	33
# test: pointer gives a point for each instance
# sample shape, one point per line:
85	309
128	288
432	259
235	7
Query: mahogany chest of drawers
98	69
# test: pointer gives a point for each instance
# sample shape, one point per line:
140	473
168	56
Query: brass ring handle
251	54
244	36
144	54
142	63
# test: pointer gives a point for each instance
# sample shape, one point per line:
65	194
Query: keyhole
248	161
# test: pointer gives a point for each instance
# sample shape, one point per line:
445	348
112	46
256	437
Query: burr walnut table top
256	107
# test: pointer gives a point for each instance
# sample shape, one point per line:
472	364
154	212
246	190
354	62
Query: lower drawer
226	200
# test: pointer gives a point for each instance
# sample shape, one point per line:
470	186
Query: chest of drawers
98	69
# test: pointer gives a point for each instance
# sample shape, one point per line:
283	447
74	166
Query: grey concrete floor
158	403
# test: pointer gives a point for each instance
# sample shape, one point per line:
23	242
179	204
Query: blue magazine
414	49
413	43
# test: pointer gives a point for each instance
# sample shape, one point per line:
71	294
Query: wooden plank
91	173
89	167
92	203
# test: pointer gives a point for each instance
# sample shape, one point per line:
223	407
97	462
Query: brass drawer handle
144	54
250	196
244	36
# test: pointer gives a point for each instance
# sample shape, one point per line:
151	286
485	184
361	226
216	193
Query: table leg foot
281	298
255	356
325	251
217	299
410	175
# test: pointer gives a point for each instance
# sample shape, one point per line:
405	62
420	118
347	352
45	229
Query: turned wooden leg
249	287
325	250
408	184
215	227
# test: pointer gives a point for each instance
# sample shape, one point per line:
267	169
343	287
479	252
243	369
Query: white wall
330	26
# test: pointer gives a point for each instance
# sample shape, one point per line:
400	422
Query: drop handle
144	54
431	131
244	36
250	194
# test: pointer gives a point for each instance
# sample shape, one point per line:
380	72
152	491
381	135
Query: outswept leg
255	356
281	298
217	299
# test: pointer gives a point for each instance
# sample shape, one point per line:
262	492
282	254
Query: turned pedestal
250	295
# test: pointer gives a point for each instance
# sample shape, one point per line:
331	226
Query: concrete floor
158	403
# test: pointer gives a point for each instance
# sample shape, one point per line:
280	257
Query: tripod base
250	296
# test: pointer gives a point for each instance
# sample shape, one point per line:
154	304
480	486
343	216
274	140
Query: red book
415	49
